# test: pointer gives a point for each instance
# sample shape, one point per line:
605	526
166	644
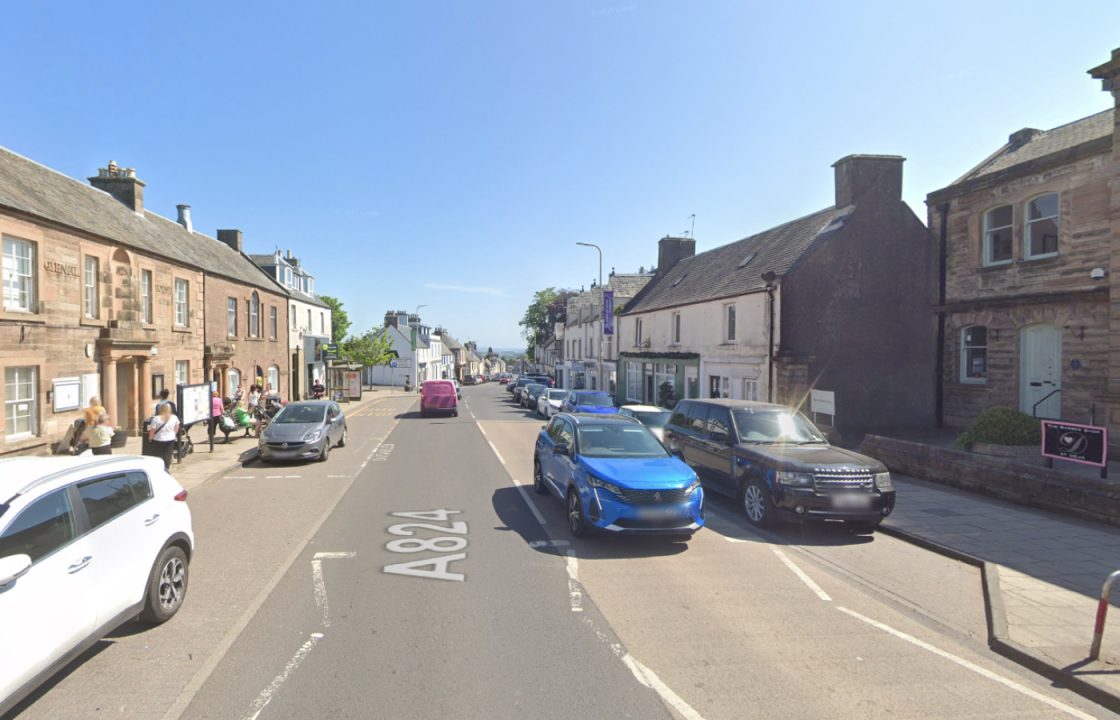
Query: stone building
1026	317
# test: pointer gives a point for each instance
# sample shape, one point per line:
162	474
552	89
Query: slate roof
1063	137
628	285
34	189
451	343
269	260
720	273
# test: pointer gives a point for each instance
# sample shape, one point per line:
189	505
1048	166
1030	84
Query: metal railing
1052	393
1102	612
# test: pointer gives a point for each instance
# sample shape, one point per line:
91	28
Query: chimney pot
868	178
121	184
185	217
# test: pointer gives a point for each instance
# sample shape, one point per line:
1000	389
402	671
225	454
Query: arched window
997	236
974	354
234	376
1042	227
273	378
255	316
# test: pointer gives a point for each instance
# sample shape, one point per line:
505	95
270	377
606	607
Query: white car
549	402
652	416
87	543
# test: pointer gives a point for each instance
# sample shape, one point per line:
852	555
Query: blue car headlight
603	485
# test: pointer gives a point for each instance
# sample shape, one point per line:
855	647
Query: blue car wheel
576	522
538	479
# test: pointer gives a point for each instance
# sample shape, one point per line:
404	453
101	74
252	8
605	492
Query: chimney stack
671	250
1019	138
868	177
185	217
232	238
1109	75
122	184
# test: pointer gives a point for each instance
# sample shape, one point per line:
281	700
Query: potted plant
1003	432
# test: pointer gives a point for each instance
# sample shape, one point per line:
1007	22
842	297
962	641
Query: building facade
1028	236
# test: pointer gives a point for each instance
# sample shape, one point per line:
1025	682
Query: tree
373	348
340	320
549	307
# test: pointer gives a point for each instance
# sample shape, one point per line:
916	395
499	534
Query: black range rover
778	464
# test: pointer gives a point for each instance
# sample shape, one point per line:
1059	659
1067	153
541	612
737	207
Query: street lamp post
412	337
601	322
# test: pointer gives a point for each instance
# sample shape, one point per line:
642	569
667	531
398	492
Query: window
272	322
637	331
106	498
750	389
90	287
234	381
231	317
19	275
322	323
310	286
974	354
1042	227
729	331
997	236
274	378
20	401
293	317
309	326
288	276
633	381
146	296
43	527
182	372
676	329
255	315
181	307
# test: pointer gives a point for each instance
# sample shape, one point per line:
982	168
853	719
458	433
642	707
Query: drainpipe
770	278
942	261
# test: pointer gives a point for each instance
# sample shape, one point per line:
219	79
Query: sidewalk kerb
999	639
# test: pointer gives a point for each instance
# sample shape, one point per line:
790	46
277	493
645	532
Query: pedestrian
216	410
94	411
164	399
244	419
99	437
163	431
254	396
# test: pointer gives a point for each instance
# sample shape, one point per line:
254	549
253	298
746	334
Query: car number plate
658	512
851	501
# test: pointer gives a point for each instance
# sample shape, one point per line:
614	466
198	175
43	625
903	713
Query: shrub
1002	426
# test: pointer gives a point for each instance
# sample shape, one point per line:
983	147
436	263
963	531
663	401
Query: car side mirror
13	567
562	449
719	437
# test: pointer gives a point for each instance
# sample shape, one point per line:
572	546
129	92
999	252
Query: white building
421	353
581	339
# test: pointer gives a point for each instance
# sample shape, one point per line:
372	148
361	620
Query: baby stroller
266	409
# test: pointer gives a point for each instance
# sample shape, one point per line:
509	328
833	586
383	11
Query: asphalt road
416	575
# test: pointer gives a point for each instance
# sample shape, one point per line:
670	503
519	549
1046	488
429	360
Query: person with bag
216	410
163	431
164	399
99	437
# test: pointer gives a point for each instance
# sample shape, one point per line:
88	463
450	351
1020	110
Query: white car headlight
313	436
883	481
794	479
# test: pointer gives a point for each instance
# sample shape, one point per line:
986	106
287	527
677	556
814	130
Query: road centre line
269	692
1006	682
801	574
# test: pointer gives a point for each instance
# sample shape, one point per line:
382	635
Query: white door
49	610
1040	371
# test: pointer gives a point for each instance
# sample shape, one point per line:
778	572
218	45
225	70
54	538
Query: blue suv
614	475
589	401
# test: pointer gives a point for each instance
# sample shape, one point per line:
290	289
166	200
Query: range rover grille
843	480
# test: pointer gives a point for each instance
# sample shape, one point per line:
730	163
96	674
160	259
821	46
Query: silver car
303	431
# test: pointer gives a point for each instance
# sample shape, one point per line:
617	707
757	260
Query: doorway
1040	371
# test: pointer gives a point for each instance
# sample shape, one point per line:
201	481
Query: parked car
614	475
303	430
87	543
520	384
530	395
652	416
503	379
778	464
589	401
549	402
439	396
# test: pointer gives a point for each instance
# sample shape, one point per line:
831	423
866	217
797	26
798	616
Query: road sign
330	351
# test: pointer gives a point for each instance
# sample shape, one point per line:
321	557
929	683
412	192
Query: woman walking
163	431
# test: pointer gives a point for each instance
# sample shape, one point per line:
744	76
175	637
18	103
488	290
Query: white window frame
675	328
966	346
182	303
1028	222
272	322
274	377
233	379
91	296
21	391
288	277
231	317
146	296
182	372
729	322
19	275
322	323
989	229
750	389
255	315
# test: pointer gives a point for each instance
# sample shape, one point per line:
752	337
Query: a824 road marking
435	568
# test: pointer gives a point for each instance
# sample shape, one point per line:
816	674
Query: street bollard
1102	611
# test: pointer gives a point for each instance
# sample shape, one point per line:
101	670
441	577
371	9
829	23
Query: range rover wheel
577	525
538	479
167	586
756	504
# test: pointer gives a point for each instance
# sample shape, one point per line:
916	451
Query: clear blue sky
451	153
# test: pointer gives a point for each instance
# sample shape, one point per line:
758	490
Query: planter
120	437
1015	452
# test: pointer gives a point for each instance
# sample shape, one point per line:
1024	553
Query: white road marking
801	574
338	476
649	678
520	488
320	584
1006	682
239	477
496	453
549	543
575	590
269	692
335	555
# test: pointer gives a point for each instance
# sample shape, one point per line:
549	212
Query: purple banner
608	312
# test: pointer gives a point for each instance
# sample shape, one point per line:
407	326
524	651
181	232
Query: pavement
1043	574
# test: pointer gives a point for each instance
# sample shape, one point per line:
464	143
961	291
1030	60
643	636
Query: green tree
340	320
549	307
373	348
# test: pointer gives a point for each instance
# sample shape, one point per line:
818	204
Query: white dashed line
575	590
239	477
801	574
269	692
1006	682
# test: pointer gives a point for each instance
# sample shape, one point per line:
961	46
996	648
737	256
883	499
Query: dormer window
997	236
1042	227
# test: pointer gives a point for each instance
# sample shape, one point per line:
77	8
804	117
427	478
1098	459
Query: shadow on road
93	651
728	521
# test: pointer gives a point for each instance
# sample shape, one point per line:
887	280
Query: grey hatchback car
303	430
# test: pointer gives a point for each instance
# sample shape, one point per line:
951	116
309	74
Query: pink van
438	396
